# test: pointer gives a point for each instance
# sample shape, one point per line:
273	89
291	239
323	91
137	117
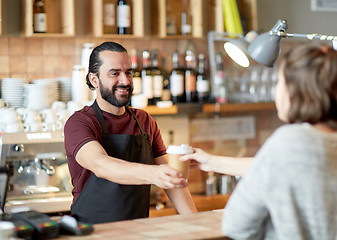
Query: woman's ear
94	79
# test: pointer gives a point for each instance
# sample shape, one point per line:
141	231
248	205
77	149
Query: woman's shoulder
287	137
295	130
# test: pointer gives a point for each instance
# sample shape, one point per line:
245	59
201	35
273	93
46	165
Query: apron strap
100	118
134	116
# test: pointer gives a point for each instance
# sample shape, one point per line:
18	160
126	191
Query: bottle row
139	17
116	17
121	17
188	81
162	18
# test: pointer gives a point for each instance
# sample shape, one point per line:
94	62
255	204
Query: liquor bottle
220	88
136	75
123	17
147	79
109	17
166	96
202	80
190	77
177	81
186	28
158	79
39	17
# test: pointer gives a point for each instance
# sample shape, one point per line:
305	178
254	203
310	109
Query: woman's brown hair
310	72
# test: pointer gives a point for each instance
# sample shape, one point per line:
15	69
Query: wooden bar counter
202	225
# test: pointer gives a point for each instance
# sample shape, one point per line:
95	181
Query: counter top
47	203
202	225
52	203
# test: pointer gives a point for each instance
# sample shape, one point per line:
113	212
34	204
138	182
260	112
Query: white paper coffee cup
174	153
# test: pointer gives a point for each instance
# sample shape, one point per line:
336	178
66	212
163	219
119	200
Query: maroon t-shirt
83	127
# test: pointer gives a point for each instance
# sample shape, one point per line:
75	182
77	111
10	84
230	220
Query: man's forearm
94	158
182	200
124	172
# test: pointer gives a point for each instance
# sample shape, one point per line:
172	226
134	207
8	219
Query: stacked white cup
11	121
60	108
32	121
2	123
50	120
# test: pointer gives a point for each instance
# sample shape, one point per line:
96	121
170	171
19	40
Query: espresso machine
38	169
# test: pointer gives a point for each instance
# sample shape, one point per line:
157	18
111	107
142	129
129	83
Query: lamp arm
310	36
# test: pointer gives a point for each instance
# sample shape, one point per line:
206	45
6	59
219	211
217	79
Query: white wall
298	14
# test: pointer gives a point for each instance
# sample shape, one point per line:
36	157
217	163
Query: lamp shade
265	49
237	50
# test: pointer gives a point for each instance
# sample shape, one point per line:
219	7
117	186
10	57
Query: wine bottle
147	79
177	81
190	77
220	88
202	80
136	75
158	79
39	17
166	96
123	17
109	17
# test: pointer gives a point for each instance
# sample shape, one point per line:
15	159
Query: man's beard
109	95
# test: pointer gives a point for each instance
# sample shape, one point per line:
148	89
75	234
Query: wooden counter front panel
203	203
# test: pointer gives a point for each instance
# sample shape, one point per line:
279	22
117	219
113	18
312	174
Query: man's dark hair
95	62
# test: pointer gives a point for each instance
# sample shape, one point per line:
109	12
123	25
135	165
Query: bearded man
116	152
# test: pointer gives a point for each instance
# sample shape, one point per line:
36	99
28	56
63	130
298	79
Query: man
115	152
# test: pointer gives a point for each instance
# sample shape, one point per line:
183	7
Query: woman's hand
199	159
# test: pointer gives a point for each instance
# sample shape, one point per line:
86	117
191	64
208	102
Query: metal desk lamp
266	48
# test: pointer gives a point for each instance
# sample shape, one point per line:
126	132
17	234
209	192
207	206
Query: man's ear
94	79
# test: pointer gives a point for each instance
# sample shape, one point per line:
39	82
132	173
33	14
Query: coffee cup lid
179	149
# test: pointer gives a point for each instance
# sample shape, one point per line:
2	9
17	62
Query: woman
290	189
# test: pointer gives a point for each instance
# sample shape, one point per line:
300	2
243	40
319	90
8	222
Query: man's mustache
128	87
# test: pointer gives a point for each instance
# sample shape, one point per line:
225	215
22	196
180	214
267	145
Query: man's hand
167	178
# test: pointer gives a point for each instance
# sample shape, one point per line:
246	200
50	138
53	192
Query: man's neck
108	107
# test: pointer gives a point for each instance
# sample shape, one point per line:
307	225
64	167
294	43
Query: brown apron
103	201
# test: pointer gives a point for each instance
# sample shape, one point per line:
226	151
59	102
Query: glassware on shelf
186	27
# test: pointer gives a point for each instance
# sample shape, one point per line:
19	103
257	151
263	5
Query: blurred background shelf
60	19
210	108
238	107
